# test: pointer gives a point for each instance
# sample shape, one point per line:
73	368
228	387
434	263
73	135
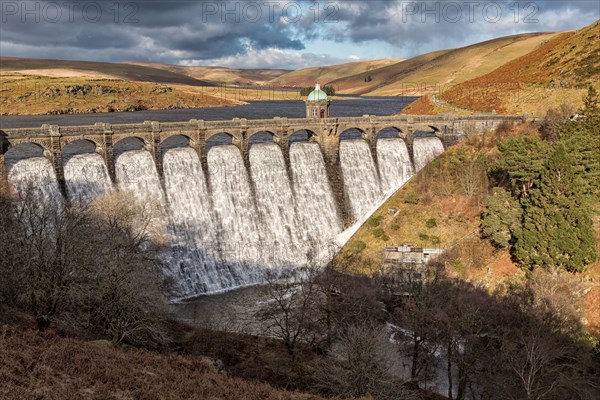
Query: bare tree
363	362
92	267
41	257
292	309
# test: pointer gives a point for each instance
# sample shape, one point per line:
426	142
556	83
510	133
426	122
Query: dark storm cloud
192	31
169	31
403	23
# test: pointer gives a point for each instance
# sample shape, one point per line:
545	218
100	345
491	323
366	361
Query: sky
269	33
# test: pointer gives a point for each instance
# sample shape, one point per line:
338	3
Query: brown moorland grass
557	71
35	95
128	72
221	75
427	73
55	366
422	106
328	74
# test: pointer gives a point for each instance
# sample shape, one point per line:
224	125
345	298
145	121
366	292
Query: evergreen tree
581	139
557	229
591	102
501	217
521	161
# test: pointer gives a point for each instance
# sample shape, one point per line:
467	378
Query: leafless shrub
93	268
363	362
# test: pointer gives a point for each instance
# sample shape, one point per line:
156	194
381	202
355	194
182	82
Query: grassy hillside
458	65
36	95
328	74
440	208
68	68
222	75
558	71
366	81
428	72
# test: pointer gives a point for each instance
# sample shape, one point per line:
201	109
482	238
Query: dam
240	199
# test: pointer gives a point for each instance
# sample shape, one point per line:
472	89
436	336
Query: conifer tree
557	229
522	160
581	139
501	217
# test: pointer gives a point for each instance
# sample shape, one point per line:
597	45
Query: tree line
385	335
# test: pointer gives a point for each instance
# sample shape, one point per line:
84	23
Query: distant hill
426	73
68	68
366	82
328	74
557	71
221	74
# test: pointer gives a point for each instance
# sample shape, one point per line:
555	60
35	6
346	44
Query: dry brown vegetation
54	365
324	75
34	95
422	106
222	75
431	72
454	202
558	71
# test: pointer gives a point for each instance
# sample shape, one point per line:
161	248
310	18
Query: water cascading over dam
233	226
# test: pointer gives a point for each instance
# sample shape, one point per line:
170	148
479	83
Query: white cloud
272	58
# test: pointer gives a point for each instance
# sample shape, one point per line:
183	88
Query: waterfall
35	178
194	260
360	176
86	177
137	176
318	219
395	167
426	149
136	173
235	226
240	236
276	206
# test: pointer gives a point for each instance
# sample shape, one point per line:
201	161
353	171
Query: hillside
56	365
429	72
441	208
68	68
558	71
328	74
364	82
222	75
37	95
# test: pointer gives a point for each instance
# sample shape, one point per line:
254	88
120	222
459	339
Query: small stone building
317	104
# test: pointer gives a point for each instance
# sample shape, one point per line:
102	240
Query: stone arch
352	132
302	135
128	143
22	151
434	128
218	139
78	146
389	132
262	136
174	141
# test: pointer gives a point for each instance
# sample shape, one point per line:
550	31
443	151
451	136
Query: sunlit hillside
429	72
329	74
558	71
222	75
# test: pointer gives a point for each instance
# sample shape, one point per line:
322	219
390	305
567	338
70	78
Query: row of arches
84	146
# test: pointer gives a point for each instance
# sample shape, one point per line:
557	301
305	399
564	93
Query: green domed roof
317	94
